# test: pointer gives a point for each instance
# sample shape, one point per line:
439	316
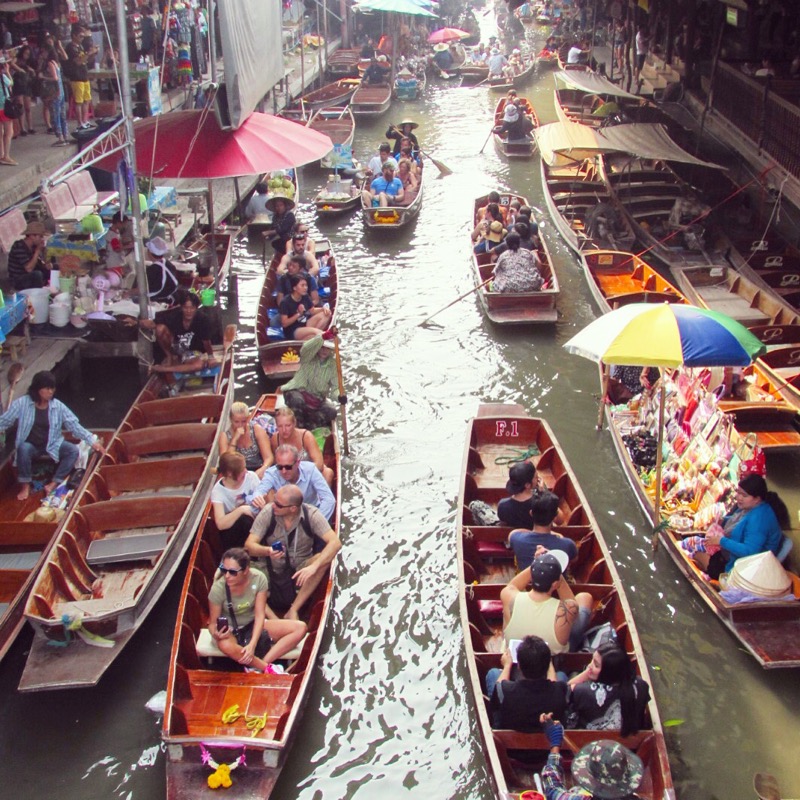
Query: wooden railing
754	106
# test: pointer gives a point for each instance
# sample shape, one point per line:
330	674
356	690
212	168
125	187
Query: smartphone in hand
222	624
278	547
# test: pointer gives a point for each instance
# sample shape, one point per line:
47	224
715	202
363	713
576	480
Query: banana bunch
290	357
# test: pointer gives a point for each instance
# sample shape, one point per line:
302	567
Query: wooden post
659	458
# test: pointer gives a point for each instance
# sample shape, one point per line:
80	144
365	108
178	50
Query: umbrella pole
603	394
659	462
342	395
212	226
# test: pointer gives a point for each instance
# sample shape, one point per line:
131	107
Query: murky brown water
388	715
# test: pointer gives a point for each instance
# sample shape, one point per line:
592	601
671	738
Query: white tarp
592	83
252	51
565	142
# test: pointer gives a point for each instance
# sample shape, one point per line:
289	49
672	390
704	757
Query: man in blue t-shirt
544	508
385	190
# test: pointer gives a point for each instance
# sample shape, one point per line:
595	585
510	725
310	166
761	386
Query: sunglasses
229	570
285	467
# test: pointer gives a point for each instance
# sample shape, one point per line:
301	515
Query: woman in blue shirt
40	419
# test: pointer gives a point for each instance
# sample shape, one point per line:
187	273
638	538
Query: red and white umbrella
447	35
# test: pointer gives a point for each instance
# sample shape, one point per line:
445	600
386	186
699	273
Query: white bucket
59	314
40	299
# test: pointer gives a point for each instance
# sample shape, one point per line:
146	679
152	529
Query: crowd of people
394	174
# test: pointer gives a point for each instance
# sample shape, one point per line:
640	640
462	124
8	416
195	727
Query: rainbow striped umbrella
667	335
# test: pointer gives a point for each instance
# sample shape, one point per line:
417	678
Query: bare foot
24	492
48	487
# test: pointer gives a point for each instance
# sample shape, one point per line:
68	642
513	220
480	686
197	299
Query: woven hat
607	769
760	574
408	121
495	51
440	48
510	113
270	203
157	246
496	232
35	229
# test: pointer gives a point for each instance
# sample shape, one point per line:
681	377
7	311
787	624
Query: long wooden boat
337	198
583	209
277	356
503	84
131	524
332	94
472	74
25	544
514	148
344	62
515	308
199	691
201	274
410	87
371	101
768	630
486	565
337	122
392	218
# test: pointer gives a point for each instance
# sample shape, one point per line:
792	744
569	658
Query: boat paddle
487	140
441	166
342	395
766	786
227	342
14	374
466	294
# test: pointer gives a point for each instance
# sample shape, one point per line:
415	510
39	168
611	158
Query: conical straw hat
761	574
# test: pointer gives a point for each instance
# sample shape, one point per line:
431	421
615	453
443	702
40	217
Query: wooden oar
441	166
466	294
487	140
14	374
342	395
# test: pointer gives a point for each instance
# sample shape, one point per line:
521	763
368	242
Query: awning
565	142
592	83
12	7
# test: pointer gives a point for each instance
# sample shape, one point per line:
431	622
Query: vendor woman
40	419
753	527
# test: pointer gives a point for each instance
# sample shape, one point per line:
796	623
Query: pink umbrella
190	144
447	35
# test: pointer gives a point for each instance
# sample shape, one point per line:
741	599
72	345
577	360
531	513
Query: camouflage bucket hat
607	769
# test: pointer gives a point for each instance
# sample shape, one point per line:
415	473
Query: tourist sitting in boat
515	510
297	265
290	469
283	221
517	269
247	439
184	337
405	130
285	533
232	513
407	152
311	245
257	204
515	62
496	63
442	56
527	543
608	695
27	268
561	621
486	216
493	235
297	247
492	199
300	320
406	176
40	419
753	527
579	52
385	190
601	770
238	599
374	75
526	242
512	211
162	278
375	166
517	704
302	439
307	392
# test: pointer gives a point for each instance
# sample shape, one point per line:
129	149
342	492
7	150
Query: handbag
245	634
752	458
13	108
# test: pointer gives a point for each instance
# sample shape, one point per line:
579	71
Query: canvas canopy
566	142
592	83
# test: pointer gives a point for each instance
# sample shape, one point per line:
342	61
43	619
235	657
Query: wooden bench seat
115	550
206	647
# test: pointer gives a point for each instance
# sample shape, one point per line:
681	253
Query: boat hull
371	101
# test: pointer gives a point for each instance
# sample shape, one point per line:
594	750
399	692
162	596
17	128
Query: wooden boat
220	253
24	548
198	693
647	193
411	86
768	630
339	123
472	74
515	308
514	148
503	84
486	565
131	525
371	101
392	218
616	279
344	62
332	94
279	357
337	198
583	209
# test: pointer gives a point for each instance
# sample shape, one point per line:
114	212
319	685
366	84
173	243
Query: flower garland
221	776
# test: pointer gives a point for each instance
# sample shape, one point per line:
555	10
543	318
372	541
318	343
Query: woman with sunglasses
241	592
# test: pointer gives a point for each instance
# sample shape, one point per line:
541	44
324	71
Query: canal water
389	714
